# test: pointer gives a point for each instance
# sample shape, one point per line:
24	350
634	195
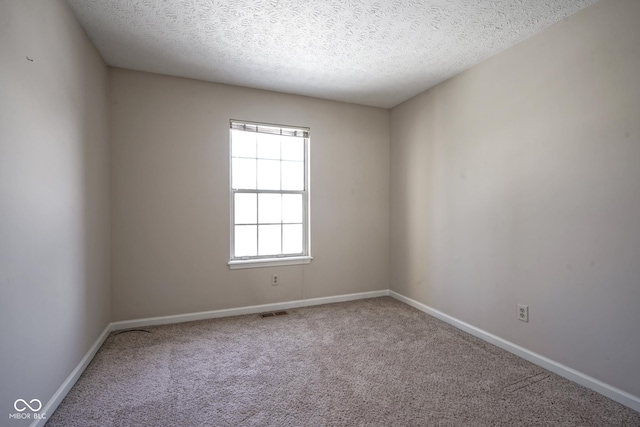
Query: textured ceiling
372	52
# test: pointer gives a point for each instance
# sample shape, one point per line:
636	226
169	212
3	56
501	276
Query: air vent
274	314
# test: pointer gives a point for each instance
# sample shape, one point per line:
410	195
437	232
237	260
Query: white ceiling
372	52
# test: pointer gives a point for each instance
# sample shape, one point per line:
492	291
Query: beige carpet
374	362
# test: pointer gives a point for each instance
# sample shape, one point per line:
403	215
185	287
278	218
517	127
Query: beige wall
170	180
518	181
54	198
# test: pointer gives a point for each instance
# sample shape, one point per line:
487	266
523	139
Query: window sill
268	262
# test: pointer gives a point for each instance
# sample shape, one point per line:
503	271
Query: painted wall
518	181
170	180
54	198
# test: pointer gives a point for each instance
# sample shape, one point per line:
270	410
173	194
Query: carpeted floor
375	362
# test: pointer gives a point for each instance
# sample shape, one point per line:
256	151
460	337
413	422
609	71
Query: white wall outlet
275	280
523	312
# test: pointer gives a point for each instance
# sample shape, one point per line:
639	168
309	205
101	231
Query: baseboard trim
240	311
571	374
68	383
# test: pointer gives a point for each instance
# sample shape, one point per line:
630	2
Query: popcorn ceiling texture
369	52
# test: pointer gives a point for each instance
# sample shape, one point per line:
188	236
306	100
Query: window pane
292	148
268	175
268	146
243	174
269	240
292	238
292	208
245	208
270	206
293	176
245	240
268	183
243	144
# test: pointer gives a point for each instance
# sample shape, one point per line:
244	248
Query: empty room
319	213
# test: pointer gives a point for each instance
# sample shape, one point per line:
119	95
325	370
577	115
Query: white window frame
270	260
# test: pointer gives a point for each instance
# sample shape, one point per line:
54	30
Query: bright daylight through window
269	195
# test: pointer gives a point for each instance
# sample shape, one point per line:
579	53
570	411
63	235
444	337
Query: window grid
300	133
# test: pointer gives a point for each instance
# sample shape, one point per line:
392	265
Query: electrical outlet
275	280
523	312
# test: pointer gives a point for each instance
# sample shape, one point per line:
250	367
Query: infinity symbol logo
26	405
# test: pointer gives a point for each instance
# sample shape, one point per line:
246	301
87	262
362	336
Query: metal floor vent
274	314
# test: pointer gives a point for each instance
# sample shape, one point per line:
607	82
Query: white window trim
235	264
268	262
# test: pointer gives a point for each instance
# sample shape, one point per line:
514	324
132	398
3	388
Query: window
269	195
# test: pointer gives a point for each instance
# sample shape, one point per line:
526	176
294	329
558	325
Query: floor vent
274	314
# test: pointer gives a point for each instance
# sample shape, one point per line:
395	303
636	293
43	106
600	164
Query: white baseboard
62	391
240	311
598	386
